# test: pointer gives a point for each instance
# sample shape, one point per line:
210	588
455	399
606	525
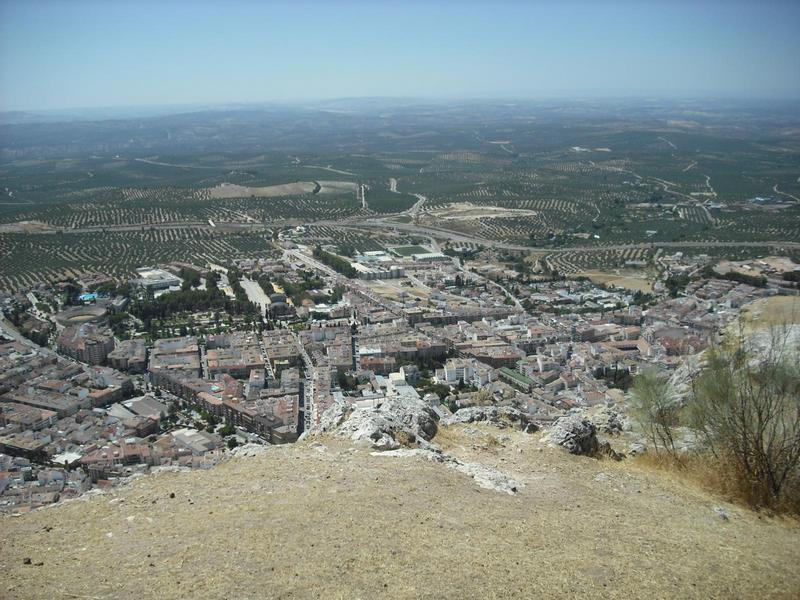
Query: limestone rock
397	420
485	476
321	448
499	416
609	421
636	448
249	450
369	426
681	378
576	433
413	415
722	513
332	418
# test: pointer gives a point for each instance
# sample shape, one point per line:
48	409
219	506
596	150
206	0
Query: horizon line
300	102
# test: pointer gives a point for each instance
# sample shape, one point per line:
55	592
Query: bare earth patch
336	187
27	227
334	522
459	211
629	281
771	312
230	190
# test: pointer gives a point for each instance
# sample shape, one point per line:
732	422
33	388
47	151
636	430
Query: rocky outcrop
371	427
609	421
413	416
681	378
397	421
485	476
499	416
333	417
250	450
576	433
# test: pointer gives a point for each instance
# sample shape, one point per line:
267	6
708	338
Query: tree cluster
336	263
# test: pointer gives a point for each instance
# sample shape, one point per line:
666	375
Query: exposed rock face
682	377
485	476
609	421
370	426
413	419
333	417
499	416
250	450
413	416
636	448
575	433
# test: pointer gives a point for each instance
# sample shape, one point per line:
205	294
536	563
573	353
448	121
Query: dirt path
166	164
777	191
361	193
331	169
671	145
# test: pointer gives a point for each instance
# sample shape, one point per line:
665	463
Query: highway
372	223
428	231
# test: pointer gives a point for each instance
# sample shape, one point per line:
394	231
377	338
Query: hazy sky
123	53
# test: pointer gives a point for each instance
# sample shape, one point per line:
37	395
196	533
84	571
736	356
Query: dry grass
338	523
482	437
776	311
715	475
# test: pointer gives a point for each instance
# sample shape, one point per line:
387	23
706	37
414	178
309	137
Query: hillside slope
314	521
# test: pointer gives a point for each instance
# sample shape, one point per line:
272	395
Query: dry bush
746	408
717	475
656	407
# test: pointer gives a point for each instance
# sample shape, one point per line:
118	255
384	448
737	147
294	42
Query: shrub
656	407
746	407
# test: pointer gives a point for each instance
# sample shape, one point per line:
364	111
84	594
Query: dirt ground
755	267
460	211
769	312
631	281
230	190
26	227
337	522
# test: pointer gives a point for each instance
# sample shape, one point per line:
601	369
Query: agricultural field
569	181
28	259
406	251
578	262
349	240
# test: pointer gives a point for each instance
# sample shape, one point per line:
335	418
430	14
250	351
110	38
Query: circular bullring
77	315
